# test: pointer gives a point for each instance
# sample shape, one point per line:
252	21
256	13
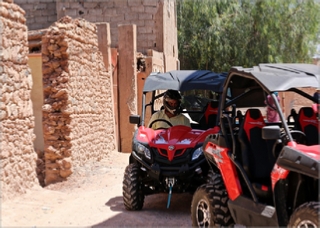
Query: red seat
209	118
308	123
256	153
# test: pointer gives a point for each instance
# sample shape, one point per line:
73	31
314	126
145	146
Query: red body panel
227	168
175	140
279	173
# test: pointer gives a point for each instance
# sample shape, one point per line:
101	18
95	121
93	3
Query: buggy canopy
184	80
282	77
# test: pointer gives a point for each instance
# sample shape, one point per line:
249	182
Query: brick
134	2
131	16
30	21
151	36
41	6
106	18
91	5
34	2
145	16
121	11
151	9
139	23
93	18
139	9
42	19
34	26
120	3
95	12
72	12
110	12
36	13
61	5
150	23
74	5
19	2
27	7
52	7
118	19
150	2
108	4
145	30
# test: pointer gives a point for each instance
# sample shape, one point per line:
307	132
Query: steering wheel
298	137
159	120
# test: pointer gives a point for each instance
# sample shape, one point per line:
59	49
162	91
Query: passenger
316	95
316	105
171	112
272	113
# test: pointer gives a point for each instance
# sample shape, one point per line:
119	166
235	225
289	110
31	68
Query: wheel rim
203	214
306	224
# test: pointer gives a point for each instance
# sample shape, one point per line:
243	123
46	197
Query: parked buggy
262	173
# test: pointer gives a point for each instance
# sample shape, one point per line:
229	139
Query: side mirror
271	132
134	119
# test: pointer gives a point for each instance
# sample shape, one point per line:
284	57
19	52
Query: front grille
177	153
161	156
164	152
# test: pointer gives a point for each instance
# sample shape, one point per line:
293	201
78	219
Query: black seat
257	156
307	122
209	118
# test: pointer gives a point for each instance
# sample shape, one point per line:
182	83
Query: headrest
307	111
254	113
214	104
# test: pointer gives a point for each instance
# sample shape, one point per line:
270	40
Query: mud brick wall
39	13
17	157
155	20
77	110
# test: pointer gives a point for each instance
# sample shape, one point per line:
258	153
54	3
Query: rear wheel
209	204
306	215
133	196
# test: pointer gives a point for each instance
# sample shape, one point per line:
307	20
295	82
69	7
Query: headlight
196	154
141	149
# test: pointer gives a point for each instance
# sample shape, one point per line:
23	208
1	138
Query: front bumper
181	170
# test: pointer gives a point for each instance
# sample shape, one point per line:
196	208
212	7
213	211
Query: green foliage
218	34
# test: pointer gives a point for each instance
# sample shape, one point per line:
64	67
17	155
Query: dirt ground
92	197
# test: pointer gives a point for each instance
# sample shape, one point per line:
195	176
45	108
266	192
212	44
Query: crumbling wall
77	110
17	157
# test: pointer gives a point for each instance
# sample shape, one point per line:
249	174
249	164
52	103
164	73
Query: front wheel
306	215
209	204
133	196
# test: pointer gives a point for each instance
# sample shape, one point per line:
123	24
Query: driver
171	111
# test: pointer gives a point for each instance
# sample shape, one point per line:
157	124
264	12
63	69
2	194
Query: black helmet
172	95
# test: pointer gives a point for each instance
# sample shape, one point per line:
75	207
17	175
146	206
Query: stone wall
17	157
78	109
39	13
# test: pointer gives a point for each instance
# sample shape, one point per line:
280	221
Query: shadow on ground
154	212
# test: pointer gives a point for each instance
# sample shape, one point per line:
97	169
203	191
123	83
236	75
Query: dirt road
92	197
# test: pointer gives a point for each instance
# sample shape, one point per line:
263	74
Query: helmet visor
171	103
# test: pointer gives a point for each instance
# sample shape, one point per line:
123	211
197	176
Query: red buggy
171	160
262	174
